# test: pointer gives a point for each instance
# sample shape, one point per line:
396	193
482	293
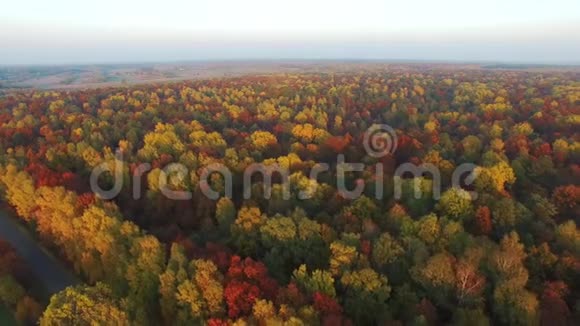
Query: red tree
483	220
554	310
248	281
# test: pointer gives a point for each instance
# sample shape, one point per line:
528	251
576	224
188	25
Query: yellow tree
190	293
147	258
494	178
101	253
84	305
262	139
163	140
20	191
342	257
56	210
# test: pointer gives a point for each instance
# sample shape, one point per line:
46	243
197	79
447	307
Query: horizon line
537	63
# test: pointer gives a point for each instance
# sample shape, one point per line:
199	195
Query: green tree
568	236
455	203
225	213
316	281
513	305
143	270
437	276
386	250
475	317
366	293
84	305
10	291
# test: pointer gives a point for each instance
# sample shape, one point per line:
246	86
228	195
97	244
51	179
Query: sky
122	31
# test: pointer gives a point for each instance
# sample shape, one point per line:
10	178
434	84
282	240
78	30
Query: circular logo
380	140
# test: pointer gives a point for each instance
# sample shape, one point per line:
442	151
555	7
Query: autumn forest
498	245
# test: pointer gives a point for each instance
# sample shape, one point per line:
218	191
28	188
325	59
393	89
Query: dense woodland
511	256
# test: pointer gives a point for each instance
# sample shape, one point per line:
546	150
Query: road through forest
49	271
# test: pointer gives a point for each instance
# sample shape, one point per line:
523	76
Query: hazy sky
73	31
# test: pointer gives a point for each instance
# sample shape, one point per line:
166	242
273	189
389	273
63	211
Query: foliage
500	249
